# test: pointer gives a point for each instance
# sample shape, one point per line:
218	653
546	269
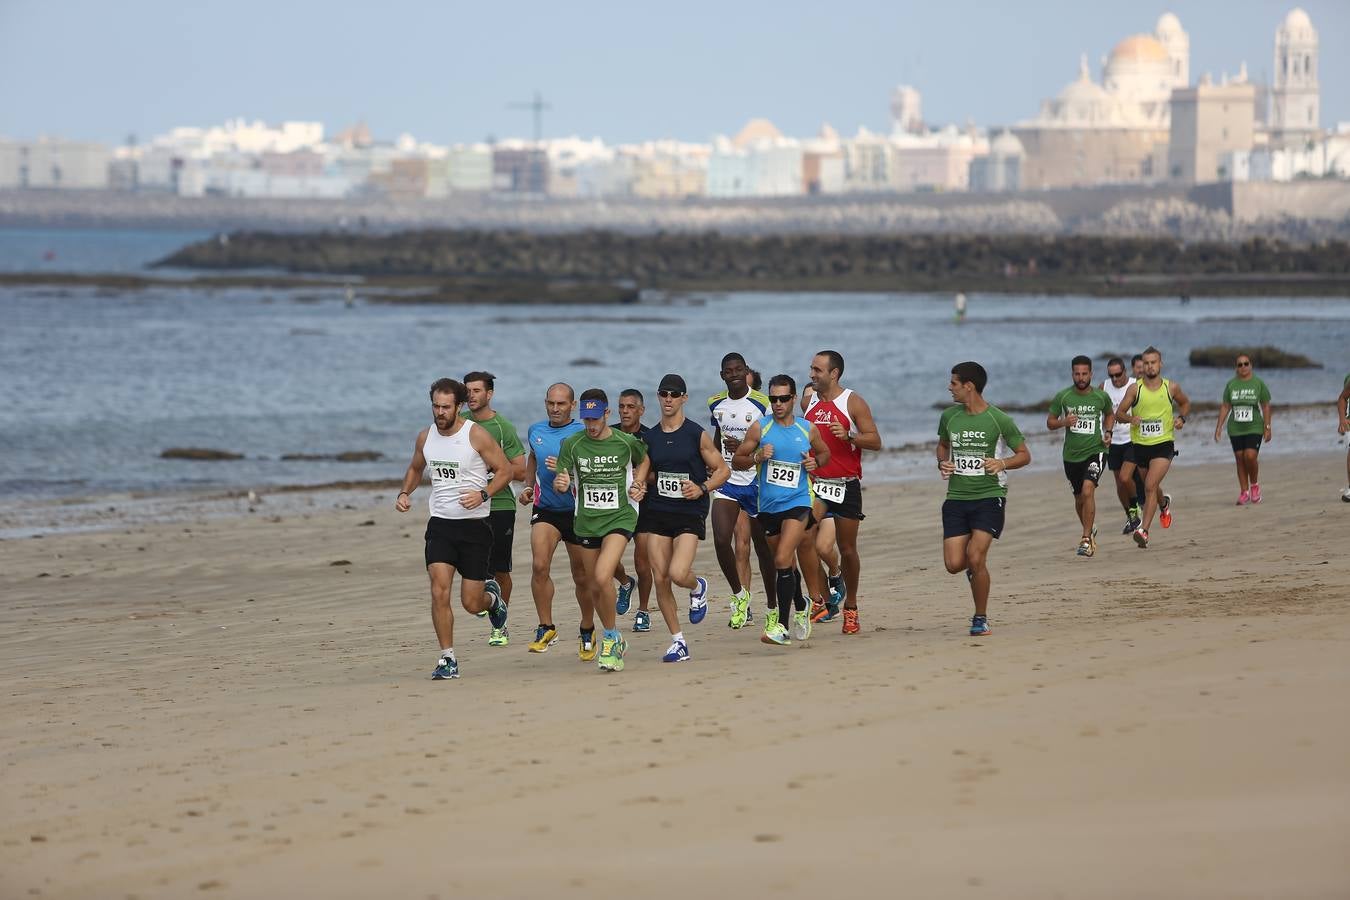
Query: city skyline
145	69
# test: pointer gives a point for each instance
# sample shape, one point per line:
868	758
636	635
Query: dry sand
216	710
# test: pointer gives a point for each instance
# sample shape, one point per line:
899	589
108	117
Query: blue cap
594	409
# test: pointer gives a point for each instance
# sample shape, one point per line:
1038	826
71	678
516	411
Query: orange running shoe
1165	516
850	621
817	610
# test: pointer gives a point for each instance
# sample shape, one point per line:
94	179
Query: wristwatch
484	493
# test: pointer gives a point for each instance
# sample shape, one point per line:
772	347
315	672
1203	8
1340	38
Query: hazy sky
446	71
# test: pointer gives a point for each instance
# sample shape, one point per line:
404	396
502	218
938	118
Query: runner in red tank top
845	422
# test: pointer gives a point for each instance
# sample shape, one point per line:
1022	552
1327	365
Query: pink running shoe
1256	492
1244	498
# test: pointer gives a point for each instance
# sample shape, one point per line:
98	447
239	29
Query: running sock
786	587
611	634
448	653
678	636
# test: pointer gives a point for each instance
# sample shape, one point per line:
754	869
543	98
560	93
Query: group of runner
788	487
784	486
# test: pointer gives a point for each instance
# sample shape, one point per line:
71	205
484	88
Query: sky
449	71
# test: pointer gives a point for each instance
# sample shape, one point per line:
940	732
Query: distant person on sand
1344	428
1245	406
1120	453
481	387
458	537
960	306
1086	414
971	435
1156	409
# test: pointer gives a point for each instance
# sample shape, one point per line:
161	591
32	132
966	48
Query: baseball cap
673	382
594	408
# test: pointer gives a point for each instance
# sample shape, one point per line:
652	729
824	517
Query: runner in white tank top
458	537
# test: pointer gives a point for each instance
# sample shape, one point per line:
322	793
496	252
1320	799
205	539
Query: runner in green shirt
1245	406
970	436
1087	415
610	470
502	519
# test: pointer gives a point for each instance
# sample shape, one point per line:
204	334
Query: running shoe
1141	538
611	653
851	621
447	668
740	610
586	646
818	610
771	620
801	625
1244	498
829	611
698	601
1132	522
1085	546
678	651
642	620
1256	492
776	635
979	626
545	636
837	588
1165	515
1345	495
625	598
1092	535
493	590
497	612
499	638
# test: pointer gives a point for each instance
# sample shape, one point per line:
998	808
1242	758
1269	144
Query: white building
758	162
1294	96
1001	169
906	110
468	168
53	164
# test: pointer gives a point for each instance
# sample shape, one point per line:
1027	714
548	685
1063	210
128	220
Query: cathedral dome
1140	48
1168	25
1296	25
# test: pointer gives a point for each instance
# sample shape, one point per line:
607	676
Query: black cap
673	382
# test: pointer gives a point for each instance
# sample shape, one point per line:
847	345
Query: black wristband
404	494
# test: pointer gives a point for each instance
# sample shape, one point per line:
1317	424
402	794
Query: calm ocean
98	382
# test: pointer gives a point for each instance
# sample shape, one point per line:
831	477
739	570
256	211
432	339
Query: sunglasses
1120	374
669	394
1244	365
780	398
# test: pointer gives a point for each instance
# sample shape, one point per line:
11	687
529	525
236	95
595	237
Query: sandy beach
241	707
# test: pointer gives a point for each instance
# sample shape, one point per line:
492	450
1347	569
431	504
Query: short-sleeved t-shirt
973	439
603	471
1083	439
504	433
1245	398
545	441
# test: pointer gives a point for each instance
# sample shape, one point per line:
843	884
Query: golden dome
1139	48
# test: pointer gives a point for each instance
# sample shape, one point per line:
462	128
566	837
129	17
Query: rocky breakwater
578	263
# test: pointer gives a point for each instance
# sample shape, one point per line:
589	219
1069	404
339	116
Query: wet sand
217	708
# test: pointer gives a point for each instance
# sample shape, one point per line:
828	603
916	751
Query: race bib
444	472
831	490
1084	425
783	474
1151	428
1242	413
593	497
668	484
969	465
